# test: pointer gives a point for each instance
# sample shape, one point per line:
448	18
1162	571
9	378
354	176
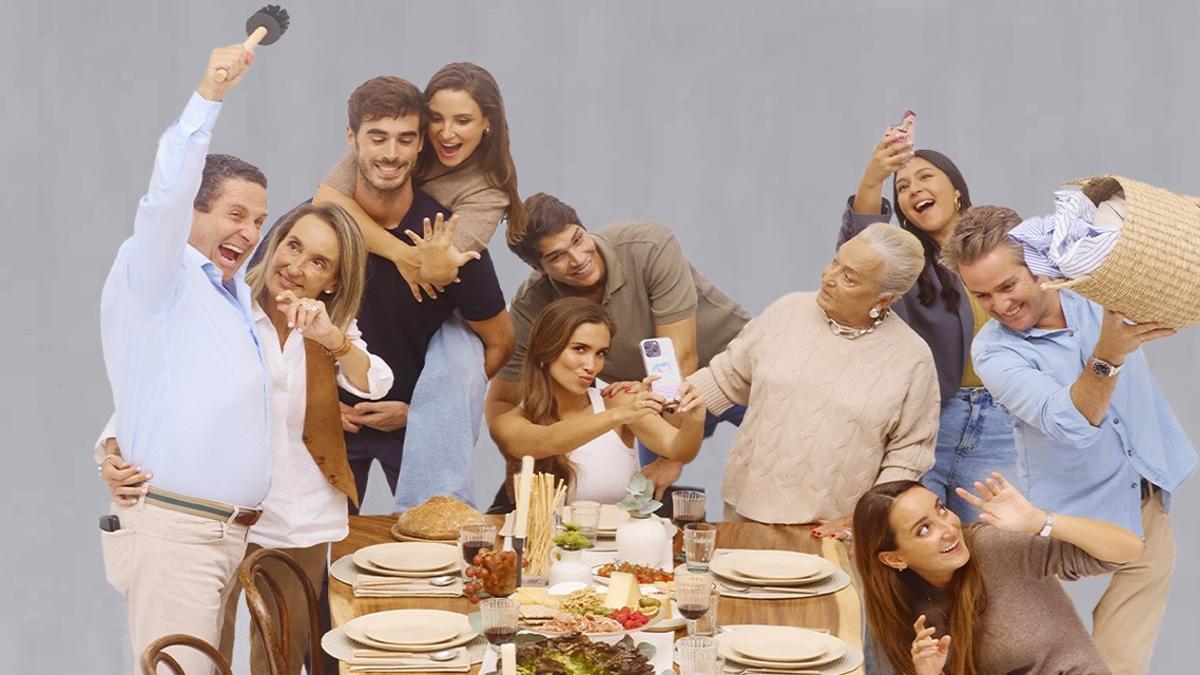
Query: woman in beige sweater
840	395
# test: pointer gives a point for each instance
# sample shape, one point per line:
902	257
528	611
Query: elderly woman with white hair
840	394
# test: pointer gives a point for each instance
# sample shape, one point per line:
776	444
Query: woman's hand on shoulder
929	654
1003	505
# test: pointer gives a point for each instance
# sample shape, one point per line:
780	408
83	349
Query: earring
328	291
487	130
874	313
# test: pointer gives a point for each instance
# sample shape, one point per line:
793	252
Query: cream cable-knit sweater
826	417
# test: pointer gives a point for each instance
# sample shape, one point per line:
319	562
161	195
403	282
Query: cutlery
383	655
444	580
769	590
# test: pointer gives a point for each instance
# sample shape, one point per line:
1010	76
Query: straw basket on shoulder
1153	271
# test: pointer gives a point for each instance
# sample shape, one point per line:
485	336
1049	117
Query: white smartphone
658	355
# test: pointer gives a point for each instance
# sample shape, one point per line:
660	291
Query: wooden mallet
263	28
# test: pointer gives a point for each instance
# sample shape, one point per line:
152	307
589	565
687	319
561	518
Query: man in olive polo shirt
638	273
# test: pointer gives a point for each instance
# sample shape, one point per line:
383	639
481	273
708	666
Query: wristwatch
1104	368
1049	526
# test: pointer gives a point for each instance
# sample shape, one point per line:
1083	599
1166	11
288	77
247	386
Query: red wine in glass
501	635
472	548
693	612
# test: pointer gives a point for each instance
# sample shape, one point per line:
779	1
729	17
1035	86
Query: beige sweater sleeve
725	381
479	206
341	176
908	452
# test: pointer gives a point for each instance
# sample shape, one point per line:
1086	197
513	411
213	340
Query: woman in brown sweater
985	598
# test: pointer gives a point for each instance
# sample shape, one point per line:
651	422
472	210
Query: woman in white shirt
569	428
307	288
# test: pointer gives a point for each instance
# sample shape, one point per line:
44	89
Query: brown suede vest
323	421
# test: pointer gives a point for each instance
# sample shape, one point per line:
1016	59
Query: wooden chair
154	654
275	637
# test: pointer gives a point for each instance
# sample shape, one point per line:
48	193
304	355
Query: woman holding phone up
570	429
929	192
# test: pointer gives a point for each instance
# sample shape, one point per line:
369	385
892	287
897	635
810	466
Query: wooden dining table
838	613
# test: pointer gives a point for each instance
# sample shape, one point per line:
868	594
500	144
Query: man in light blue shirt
188	379
1095	436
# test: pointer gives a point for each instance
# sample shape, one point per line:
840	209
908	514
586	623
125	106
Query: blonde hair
903	257
343	303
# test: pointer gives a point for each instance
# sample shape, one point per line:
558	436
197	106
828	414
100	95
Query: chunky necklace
851	333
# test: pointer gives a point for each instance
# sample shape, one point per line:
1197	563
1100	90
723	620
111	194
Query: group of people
251	400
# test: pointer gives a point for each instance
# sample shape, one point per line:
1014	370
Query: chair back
276	638
155	656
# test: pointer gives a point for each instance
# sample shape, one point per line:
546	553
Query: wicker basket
1153	271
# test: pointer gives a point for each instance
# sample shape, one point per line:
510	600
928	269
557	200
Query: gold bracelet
342	350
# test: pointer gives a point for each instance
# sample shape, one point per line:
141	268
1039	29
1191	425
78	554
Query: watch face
1102	369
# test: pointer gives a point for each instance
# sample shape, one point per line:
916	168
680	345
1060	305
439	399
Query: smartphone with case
906	130
658	355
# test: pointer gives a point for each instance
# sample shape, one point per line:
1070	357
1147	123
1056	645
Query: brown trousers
313	560
1126	620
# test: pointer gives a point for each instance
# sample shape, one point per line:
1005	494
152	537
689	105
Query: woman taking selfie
569	428
840	395
984	598
306	287
929	192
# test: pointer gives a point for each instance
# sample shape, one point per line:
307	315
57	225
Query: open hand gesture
440	258
1004	506
929	654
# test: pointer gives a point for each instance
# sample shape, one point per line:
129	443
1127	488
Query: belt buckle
251	515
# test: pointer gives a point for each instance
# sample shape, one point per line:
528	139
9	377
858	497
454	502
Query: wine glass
499	619
693	595
476	537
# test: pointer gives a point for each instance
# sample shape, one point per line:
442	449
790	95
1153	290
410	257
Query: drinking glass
694	598
687	506
587	516
474	538
699	544
499	619
697	655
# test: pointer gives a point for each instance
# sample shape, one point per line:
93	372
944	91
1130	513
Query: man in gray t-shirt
638	273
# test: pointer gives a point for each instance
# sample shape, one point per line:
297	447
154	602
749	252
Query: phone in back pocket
658	354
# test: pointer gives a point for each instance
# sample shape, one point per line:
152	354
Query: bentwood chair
154	655
273	625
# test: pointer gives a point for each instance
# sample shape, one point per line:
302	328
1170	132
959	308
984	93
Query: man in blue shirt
187	378
1095	436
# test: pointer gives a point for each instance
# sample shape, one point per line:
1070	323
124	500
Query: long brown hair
548	339
890	614
493	151
344	302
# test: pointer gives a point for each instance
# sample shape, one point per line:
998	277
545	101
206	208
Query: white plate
458	625
406	631
777	565
827	647
408	557
726	565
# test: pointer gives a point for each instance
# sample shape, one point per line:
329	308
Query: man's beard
364	170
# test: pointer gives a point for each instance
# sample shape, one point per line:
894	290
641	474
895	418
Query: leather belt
204	508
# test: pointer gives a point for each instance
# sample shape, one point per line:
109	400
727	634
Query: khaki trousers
314	561
173	569
1126	621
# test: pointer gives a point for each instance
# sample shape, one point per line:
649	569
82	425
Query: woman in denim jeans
975	437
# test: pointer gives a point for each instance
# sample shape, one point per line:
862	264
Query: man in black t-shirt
385	137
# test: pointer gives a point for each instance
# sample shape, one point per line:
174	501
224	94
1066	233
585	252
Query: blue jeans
975	438
734	416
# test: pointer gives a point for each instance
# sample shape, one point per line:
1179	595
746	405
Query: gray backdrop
741	125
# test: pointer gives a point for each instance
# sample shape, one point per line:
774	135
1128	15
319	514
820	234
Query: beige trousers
1126	621
173	569
313	560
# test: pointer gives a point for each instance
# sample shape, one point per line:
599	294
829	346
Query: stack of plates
408	559
772	569
410	630
781	648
